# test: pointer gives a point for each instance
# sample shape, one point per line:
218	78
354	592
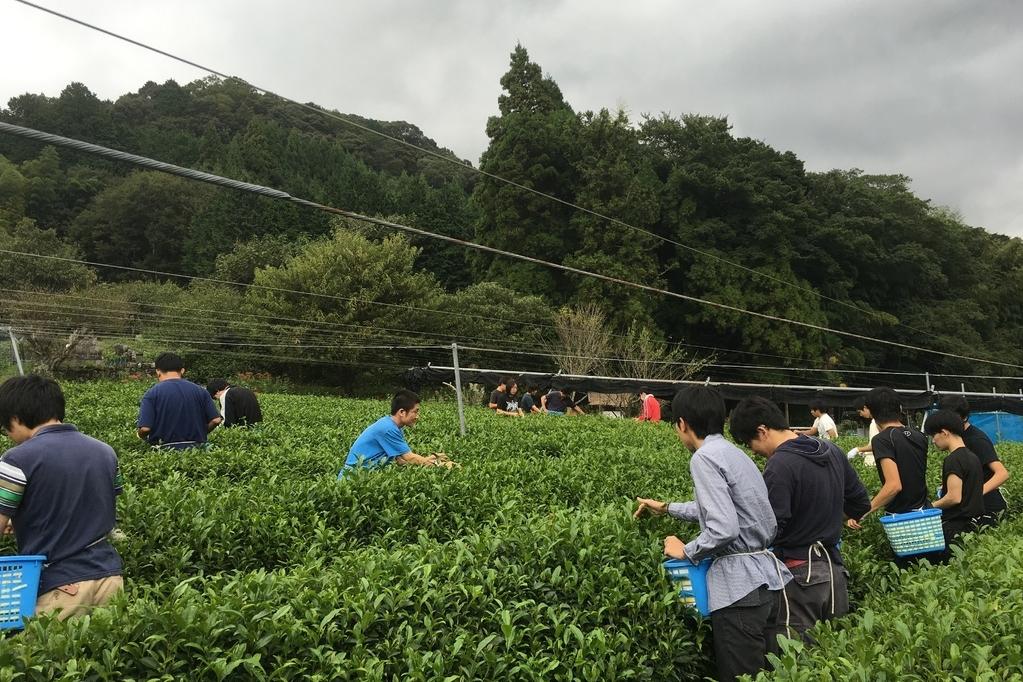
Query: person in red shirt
651	408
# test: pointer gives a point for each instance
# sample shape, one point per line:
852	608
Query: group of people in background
507	400
774	537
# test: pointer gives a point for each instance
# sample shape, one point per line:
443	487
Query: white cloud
918	87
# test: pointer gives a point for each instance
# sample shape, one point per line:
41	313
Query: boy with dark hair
900	454
499	396
995	473
57	490
557	403
823	425
530	403
813	489
962	479
383	441
238	405
176	413
736	527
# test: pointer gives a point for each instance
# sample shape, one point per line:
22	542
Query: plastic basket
19	585
916	532
691	580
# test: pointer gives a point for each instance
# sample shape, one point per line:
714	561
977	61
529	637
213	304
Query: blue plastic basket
691	580
19	585
916	532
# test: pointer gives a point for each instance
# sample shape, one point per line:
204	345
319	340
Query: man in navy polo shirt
176	413
57	495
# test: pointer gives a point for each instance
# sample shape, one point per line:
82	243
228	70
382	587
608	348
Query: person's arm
13	482
721	521
147	417
953	493
999	475
833	433
684	511
412	459
812	431
856	499
892	487
543	402
213	416
779	492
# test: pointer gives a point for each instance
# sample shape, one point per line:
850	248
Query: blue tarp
999	426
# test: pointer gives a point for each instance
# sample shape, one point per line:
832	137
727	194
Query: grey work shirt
735	517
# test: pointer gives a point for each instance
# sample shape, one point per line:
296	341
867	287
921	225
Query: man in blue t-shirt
57	495
176	413
383	441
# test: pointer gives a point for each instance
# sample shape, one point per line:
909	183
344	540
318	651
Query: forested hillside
689	200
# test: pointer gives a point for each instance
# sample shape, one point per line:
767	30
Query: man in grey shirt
737	525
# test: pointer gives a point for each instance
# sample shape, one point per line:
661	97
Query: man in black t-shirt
977	442
962	500
499	396
900	454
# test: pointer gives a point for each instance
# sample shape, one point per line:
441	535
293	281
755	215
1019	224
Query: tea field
251	561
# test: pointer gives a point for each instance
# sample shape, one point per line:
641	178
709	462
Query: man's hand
854	524
674	548
8	527
655	507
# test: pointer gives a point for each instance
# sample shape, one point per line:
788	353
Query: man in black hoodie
813	489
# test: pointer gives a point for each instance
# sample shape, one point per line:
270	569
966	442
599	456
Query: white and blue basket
915	532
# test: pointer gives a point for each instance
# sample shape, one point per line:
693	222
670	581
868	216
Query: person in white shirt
867	451
823	425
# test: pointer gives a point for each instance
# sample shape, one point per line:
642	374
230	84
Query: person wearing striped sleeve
58	490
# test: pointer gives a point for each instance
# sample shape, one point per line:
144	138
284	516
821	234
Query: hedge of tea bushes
250	560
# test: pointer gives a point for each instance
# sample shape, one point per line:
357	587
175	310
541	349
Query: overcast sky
919	87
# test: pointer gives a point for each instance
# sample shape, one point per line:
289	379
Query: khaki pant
78	599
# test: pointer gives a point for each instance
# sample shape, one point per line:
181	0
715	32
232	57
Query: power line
448	159
278	194
307	322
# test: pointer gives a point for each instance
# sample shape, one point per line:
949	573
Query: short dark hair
32	399
404	400
944	420
818	404
702	408
956	403
860	403
169	362
215	386
753	412
884	405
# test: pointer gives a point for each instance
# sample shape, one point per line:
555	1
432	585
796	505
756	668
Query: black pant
810	601
743	634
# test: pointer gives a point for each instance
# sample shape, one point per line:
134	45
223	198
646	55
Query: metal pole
17	355
458	389
962	388
927	381
998	420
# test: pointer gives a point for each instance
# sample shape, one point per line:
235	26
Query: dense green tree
144	222
534	143
617	180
